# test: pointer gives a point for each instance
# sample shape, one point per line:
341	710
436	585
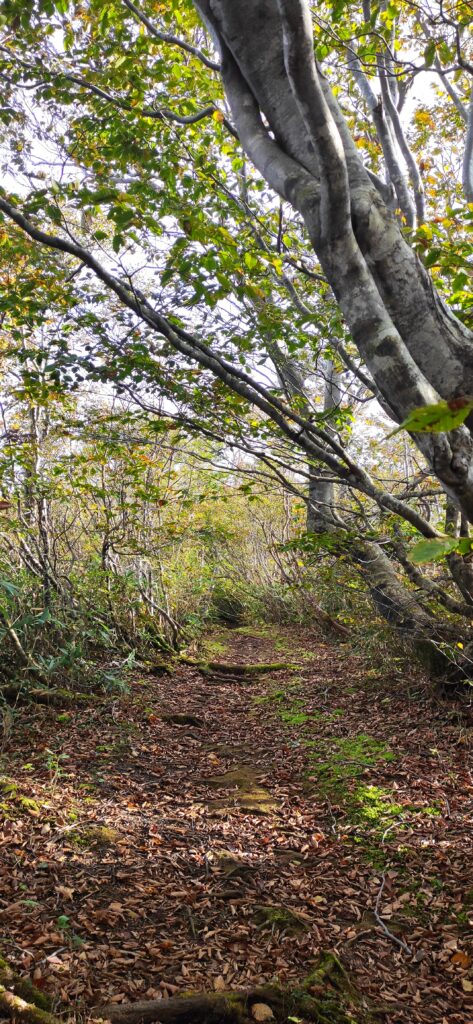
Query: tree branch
166	37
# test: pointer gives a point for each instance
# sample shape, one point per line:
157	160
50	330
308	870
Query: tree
292	127
195	262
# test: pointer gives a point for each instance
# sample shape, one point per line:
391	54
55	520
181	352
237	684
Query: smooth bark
293	129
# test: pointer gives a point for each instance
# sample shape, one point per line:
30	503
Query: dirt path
306	809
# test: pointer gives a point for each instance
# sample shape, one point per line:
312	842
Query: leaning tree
289	221
293	128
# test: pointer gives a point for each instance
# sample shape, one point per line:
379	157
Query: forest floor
323	806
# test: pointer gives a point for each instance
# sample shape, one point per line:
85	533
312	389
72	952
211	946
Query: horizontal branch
305	434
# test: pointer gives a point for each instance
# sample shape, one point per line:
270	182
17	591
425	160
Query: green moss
258	632
328	996
373	855
22	987
248	794
375	804
96	835
8	787
279	917
432	812
212	646
268	698
28	804
294	717
343	759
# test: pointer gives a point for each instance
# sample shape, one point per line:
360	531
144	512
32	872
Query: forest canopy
236	267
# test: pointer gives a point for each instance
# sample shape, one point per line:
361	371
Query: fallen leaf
461	959
261	1011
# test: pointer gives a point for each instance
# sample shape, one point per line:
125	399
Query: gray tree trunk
292	128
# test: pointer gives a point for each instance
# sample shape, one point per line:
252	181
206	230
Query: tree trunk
414	347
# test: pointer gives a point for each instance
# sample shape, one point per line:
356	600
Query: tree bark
293	130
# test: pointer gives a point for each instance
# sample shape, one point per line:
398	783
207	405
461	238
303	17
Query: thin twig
381	923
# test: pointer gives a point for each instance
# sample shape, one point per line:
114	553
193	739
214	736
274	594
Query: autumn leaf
261	1012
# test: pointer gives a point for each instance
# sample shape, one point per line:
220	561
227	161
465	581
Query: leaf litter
122	877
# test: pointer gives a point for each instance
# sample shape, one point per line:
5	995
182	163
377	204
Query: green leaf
429	53
434	419
10	588
250	261
431	549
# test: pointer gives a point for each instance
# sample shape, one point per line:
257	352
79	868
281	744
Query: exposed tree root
55	697
21	1000
22	987
18	1009
327	996
205	1008
178	719
238	672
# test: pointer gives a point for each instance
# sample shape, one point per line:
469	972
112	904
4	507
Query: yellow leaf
261	1011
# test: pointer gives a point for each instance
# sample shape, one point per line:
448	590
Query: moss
375	804
96	835
256	669
258	632
8	787
23	987
279	917
28	804
432	812
373	855
468	898
268	698
327	996
211	647
340	761
294	717
60	697
17	1008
